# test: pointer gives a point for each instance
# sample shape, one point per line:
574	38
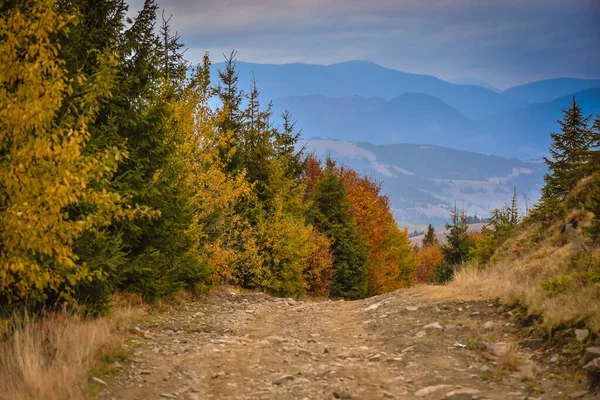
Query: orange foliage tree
428	259
388	247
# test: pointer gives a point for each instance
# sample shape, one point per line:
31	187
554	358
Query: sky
503	42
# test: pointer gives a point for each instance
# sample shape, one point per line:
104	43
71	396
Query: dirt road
403	345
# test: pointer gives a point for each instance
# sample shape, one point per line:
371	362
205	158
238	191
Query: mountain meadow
134	184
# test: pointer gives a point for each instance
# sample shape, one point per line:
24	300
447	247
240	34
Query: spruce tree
331	215
514	209
153	256
459	242
429	239
231	97
570	155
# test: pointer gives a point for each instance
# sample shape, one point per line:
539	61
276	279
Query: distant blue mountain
410	117
527	131
367	79
362	101
424	181
550	89
474	82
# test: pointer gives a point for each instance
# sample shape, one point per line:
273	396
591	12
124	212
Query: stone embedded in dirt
462	394
435	325
410	308
590	354
168	395
488	325
577	395
430	390
582	334
218	375
420	334
593	367
374	357
283	380
99	381
340	394
374	306
532	344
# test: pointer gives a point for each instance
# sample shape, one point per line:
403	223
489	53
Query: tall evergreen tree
330	213
514	209
569	153
459	242
429	239
153	256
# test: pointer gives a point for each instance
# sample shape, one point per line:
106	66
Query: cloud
501	41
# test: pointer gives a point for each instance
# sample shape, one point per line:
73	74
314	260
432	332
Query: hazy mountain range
430	142
362	101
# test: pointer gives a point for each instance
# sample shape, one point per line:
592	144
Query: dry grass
50	359
509	359
528	277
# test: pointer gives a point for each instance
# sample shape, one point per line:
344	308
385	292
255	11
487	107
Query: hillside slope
552	270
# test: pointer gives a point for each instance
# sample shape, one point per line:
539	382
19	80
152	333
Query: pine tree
429	239
514	209
458	241
331	215
570	153
594	152
231	98
155	256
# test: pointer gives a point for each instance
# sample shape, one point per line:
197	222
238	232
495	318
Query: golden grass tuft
509	359
49	359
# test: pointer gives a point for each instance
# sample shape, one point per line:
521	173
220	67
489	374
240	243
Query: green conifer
429	239
569	153
331	215
459	242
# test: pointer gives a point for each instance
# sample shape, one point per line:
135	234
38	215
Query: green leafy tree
330	213
429	239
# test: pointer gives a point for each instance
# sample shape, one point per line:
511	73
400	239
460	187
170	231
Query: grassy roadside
54	357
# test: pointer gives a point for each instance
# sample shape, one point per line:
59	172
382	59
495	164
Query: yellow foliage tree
51	189
223	236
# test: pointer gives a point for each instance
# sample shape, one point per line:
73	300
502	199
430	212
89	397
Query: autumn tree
54	189
428	259
388	247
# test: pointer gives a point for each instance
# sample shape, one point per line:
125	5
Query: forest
117	175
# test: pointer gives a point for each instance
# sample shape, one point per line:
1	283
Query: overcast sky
504	42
